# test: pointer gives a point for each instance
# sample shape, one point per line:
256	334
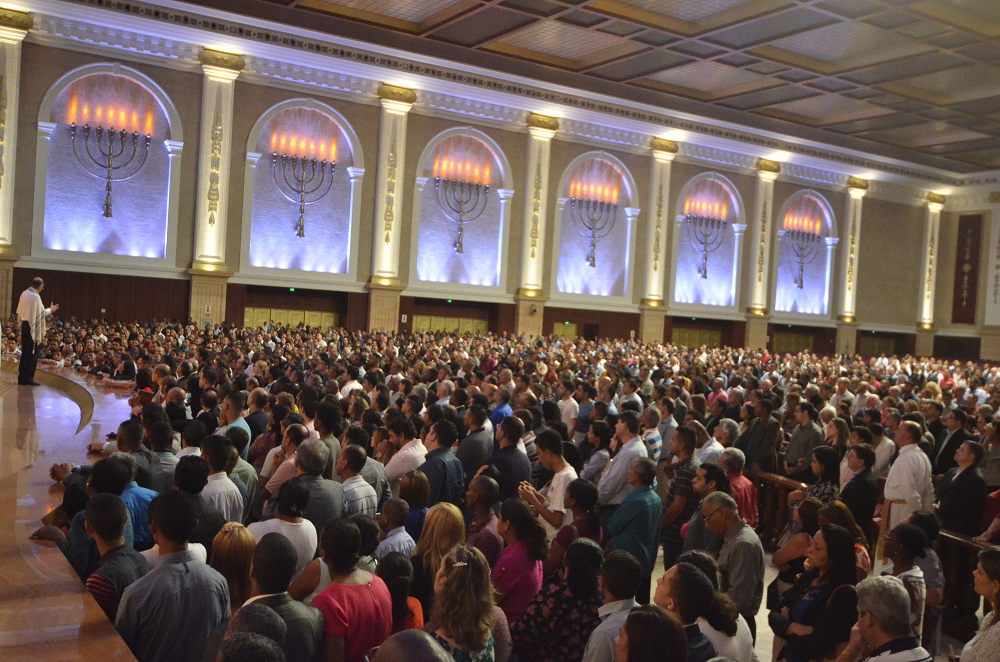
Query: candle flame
274	141
333	151
121	117
86	113
149	123
687	206
322	151
614	196
486	175
72	109
100	113
437	165
135	121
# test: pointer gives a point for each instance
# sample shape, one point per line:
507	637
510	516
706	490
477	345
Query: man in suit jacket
762	439
860	494
962	493
271	570
477	447
950	441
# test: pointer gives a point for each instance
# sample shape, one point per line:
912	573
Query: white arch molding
813	301
724	291
251	275
46	258
472	292
630	210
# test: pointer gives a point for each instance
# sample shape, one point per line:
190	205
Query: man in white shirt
621	576
221	492
723	436
552	512
352	382
908	485
614	486
409	455
568	407
444	390
31	313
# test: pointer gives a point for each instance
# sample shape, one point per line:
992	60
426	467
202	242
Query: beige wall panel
41	67
420	130
889	262
250	102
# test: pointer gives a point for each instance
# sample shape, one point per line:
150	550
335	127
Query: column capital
664	147
935	201
651	302
542	122
397	99
14	25
767	169
221	66
857	187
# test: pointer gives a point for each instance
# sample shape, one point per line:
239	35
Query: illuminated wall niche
594	231
807	234
707	242
301	198
75	219
461	174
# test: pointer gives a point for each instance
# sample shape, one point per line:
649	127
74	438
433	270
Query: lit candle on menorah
705	223
803	238
594	209
461	191
110	153
303	171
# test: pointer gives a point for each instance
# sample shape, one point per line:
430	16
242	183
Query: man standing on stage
31	313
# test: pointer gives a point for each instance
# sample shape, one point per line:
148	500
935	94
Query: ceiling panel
917	80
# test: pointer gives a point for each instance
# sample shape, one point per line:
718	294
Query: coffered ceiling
917	80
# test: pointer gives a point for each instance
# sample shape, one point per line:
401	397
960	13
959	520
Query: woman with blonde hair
232	552
463	616
444	527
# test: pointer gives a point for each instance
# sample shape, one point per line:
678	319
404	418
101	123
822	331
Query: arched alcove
807	234
301	198
83	215
594	237
707	242
461	174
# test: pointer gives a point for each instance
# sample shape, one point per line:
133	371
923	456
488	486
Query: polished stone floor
45	612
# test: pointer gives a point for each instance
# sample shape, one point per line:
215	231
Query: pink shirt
360	613
520	576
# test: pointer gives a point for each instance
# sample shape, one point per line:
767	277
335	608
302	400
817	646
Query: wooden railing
959	557
772	500
959	554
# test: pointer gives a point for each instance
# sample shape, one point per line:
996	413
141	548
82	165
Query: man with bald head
908	485
411	646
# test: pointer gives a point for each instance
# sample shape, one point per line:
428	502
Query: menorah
303	180
461	196
705	233
114	158
804	247
594	216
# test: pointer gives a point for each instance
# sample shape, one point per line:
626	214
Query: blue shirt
500	413
635	526
397	540
138	499
445	476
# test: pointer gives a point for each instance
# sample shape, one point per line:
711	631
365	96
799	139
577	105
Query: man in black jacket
860	494
271	571
760	442
950	441
962	493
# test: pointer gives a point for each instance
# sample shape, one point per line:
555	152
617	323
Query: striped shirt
359	497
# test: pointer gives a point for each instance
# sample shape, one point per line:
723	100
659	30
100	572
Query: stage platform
45	611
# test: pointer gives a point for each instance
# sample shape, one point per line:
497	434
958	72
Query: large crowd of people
299	494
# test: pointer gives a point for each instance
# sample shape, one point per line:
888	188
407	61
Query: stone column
989	349
385	286
14	26
652	310
529	301
925	314
209	272
847	327
760	250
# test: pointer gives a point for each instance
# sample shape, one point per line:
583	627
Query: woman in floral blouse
556	625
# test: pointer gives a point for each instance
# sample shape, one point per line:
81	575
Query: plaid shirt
445	475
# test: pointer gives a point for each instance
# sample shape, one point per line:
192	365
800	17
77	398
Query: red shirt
745	495
360	613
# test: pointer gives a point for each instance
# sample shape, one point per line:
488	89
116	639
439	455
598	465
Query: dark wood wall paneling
824	338
85	295
950	347
733	331
903	343
599	323
351	307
